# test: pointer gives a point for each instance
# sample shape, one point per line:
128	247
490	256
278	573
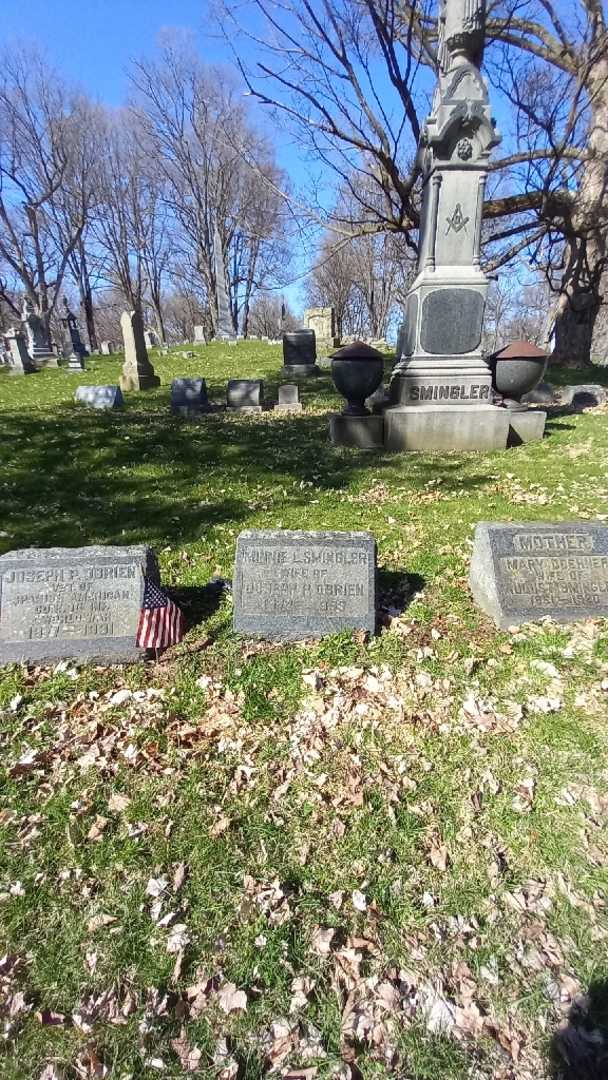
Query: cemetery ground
351	858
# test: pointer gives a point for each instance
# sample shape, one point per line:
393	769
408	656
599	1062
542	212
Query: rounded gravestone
300	352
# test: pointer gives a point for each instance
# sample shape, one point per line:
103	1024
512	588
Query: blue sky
93	41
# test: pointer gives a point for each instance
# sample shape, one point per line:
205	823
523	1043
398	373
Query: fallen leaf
359	901
189	1056
438	854
232	1000
321	940
117	802
99	921
97	828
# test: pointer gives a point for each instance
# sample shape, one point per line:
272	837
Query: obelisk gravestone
440	395
137	371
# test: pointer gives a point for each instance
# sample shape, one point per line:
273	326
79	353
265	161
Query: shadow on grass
396	590
73	477
579	1050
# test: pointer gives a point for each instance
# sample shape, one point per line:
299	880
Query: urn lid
357	351
519	350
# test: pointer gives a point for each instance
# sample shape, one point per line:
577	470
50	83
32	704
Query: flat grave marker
525	572
290	584
99	397
82	603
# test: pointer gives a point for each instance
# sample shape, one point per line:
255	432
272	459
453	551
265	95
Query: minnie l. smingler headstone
291	584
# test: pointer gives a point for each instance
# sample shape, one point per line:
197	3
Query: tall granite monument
137	371
440	394
224	330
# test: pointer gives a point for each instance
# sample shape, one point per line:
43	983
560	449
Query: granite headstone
245	394
524	572
99	397
189	397
58	603
290	585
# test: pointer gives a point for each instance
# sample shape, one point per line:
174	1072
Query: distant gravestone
19	361
59	603
189	397
245	395
199	335
99	397
107	347
289	399
525	572
137	371
290	585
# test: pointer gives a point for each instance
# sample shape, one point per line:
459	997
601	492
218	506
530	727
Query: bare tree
218	170
46	166
319	68
269	316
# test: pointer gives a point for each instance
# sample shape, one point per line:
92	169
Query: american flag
161	623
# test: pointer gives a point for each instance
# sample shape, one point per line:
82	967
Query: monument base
75	362
244	409
526	426
446	427
42	361
138	382
302	371
288	407
360	432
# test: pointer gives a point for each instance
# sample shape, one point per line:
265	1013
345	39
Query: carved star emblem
457	221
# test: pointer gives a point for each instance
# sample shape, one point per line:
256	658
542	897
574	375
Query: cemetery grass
351	858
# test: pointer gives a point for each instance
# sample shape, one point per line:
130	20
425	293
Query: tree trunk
586	251
576	311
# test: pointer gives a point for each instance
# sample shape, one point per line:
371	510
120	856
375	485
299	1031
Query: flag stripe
161	622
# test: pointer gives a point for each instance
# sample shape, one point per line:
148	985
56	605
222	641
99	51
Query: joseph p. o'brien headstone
525	572
59	603
290	585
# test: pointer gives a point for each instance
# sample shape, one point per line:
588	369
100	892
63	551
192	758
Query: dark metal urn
516	370
299	347
357	372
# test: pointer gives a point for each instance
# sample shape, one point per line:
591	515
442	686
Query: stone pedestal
41	359
75	362
299	371
526	425
445	427
360	432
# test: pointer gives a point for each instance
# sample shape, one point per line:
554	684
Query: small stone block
290	585
289	394
526	426
521	573
324	363
360	432
99	397
482	427
83	603
245	409
189	397
244	392
295	408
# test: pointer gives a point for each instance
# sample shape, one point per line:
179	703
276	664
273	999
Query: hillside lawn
347	858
